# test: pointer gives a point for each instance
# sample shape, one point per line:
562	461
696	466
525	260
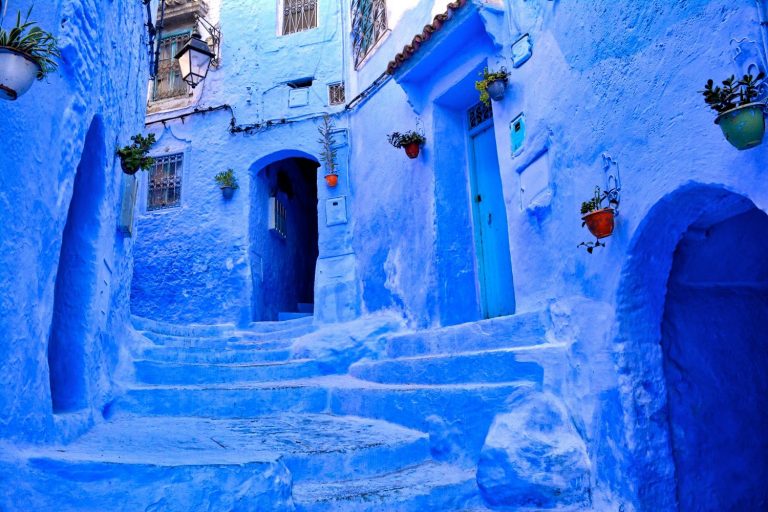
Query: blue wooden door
490	224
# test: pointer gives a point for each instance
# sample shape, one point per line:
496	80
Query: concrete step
306	307
161	372
499	365
205	355
142	463
503	332
240	338
282	316
468	408
427	487
145	324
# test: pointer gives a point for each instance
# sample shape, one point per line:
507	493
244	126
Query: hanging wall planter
598	219
740	117
227	183
133	157
328	151
493	85
410	141
26	53
331	180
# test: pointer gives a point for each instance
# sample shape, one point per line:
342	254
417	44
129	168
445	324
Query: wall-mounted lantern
194	59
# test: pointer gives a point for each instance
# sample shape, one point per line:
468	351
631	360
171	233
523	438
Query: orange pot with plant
328	151
331	180
410	141
599	220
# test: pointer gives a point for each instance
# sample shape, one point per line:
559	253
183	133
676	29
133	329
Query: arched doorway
73	315
692	307
283	236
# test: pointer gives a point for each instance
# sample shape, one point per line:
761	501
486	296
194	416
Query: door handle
479	198
489	219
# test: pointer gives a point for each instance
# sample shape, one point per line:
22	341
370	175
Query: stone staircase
226	419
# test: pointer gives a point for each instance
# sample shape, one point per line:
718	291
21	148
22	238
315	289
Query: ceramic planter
600	222
227	192
18	72
128	170
496	89
412	149
331	180
743	126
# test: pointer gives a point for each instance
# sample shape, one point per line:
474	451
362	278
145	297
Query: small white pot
17	73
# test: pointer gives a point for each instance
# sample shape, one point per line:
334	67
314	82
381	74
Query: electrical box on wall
522	49
517	133
127	204
298	97
336	211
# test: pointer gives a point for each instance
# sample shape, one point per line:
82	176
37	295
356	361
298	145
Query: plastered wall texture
100	85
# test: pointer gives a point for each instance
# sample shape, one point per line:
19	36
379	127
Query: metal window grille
165	183
168	82
479	114
299	15
336	94
278	217
369	23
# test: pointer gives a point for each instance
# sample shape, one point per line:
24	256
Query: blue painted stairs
220	398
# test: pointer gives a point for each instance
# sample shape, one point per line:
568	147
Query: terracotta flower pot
600	222
743	126
227	192
412	149
331	180
18	72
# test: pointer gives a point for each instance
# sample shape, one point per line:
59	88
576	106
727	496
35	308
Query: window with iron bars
369	24
165	182
336	94
168	82
479	114
299	15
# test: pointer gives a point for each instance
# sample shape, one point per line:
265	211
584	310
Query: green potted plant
411	141
493	85
740	116
328	151
133	157
599	220
27	52
227	182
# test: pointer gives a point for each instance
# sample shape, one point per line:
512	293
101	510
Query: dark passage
715	344
76	279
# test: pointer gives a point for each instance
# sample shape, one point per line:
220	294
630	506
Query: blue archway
677	313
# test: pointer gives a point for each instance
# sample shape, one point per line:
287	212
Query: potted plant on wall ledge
599	220
133	157
493	85
227	183
411	141
27	52
328	151
740	116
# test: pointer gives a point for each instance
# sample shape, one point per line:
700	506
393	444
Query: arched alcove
76	279
691	307
283	253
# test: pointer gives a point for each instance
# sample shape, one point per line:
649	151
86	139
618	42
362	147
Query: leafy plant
134	156
400	140
227	179
592	205
488	77
27	38
327	142
732	93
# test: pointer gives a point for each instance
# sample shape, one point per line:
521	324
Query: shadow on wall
71	328
691	308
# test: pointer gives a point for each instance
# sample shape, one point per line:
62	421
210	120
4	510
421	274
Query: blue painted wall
67	270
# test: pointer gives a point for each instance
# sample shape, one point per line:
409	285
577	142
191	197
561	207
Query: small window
298	15
479	114
165	183
336	94
168	82
369	24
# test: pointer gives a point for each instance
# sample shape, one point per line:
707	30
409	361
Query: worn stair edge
161	372
202	355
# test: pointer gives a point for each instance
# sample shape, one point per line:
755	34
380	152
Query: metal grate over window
168	83
479	114
165	183
369	23
336	94
299	15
